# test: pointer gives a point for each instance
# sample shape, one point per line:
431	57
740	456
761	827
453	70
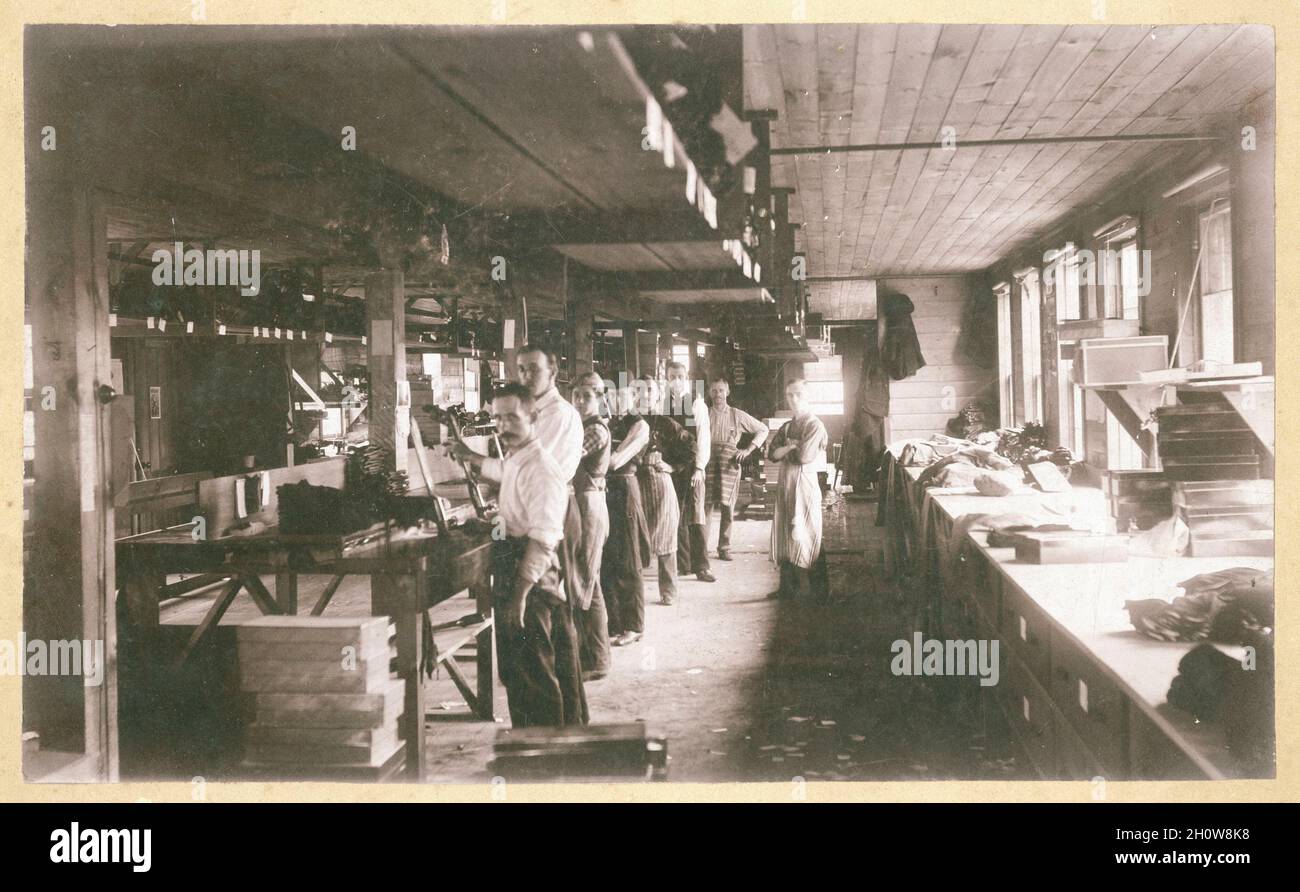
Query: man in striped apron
727	426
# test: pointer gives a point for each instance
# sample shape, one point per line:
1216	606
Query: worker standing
589	614
800	447
728	426
536	642
688	475
628	548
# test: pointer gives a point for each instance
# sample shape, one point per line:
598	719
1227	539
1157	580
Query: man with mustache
537	645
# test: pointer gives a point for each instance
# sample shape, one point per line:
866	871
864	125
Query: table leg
484	643
257	590
211	620
396	595
286	592
140	591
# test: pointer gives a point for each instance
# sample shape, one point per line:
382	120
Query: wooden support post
631	352
396	596
386	360
580	321
69	592
786	290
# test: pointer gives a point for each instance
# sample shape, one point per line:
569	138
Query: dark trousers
624	592
539	664
592	626
724	525
692	549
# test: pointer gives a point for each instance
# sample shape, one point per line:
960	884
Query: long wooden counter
1083	691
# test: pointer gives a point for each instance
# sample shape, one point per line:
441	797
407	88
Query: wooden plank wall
922	404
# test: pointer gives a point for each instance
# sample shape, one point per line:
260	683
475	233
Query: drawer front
986	586
1154	756
1029	715
1075	759
1092	704
1026	631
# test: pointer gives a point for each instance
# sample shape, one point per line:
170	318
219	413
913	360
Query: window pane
1129	283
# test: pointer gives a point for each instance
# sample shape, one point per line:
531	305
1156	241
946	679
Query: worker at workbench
559	430
537	644
589	614
728	426
688	476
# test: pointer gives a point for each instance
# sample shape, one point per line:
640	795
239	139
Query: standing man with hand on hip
688	478
727	426
536	643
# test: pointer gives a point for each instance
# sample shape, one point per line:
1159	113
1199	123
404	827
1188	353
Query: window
1006	370
682	354
1031	347
1216	283
1121	274
824	384
1071	422
1064	273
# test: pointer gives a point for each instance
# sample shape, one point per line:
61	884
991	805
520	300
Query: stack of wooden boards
1138	499
323	703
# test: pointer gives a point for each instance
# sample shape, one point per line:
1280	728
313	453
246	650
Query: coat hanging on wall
902	351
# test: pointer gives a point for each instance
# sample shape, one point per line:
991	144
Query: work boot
706	576
724	554
800	583
782	590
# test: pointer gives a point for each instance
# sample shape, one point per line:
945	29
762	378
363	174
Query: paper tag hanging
654	125
444	247
690	181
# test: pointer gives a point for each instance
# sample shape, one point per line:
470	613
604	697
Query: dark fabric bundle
1202	681
902	353
1231	606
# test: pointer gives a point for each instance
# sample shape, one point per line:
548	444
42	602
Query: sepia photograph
790	403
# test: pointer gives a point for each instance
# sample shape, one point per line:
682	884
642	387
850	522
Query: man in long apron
727	426
800	447
537	645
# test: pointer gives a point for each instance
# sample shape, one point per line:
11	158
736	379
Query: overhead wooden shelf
132	327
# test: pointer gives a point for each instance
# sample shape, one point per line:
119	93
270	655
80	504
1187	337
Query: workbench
410	570
1083	691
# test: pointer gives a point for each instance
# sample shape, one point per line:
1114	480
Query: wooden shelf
154	327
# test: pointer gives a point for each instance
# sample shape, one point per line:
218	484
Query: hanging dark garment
902	353
865	442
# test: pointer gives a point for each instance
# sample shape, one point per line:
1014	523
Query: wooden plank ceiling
941	211
543	125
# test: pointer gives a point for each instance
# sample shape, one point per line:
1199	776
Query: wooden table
1069	640
410	571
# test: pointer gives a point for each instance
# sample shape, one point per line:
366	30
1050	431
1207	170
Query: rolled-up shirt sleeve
749	424
700	410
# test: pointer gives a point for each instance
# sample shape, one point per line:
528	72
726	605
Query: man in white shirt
559	431
537	645
559	426
688	480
